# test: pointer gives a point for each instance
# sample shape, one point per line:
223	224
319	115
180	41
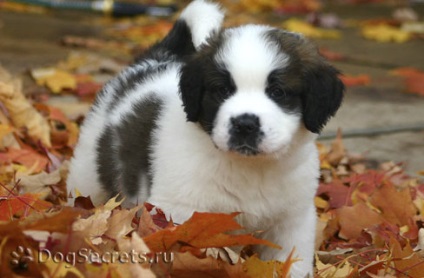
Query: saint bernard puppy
216	120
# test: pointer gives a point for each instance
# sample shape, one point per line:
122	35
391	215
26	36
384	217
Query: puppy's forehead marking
249	56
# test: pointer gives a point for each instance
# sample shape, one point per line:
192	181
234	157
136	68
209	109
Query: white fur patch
203	18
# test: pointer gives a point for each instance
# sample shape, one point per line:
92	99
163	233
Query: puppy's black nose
246	124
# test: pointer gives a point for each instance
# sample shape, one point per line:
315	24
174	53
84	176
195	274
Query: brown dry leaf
39	183
120	223
354	219
396	206
203	230
93	227
146	225
55	79
22	113
134	245
56	221
406	261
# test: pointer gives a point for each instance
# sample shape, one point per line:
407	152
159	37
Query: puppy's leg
294	231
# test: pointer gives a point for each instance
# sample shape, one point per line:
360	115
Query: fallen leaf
405	260
27	157
203	230
354	219
395	205
342	270
385	33
17	206
358	80
296	25
135	245
55	79
414	79
186	265
22	113
255	267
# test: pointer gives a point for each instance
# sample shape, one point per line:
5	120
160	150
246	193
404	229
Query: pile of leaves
370	220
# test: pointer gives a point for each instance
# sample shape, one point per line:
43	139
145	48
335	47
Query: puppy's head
252	88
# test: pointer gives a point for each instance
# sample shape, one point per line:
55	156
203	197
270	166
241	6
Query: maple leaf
16	206
395	206
354	219
203	230
405	260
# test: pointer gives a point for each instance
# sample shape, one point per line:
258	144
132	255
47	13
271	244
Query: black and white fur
218	120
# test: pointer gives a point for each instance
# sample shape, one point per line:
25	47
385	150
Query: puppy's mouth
245	149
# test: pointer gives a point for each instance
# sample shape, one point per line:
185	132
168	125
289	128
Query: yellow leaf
385	33
22	113
299	26
56	80
320	203
61	269
329	270
255	267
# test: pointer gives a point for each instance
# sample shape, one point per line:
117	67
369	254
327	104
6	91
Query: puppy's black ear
191	89
322	96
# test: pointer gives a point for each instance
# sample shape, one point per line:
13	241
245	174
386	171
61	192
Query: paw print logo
21	257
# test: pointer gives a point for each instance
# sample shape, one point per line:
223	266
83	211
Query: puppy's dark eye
222	92
276	93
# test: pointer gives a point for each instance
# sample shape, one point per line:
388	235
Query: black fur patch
106	162
175	47
132	140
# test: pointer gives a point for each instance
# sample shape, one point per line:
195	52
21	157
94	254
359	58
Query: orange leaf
56	222
350	80
17	206
396	206
27	157
189	266
203	230
414	79
354	219
406	261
